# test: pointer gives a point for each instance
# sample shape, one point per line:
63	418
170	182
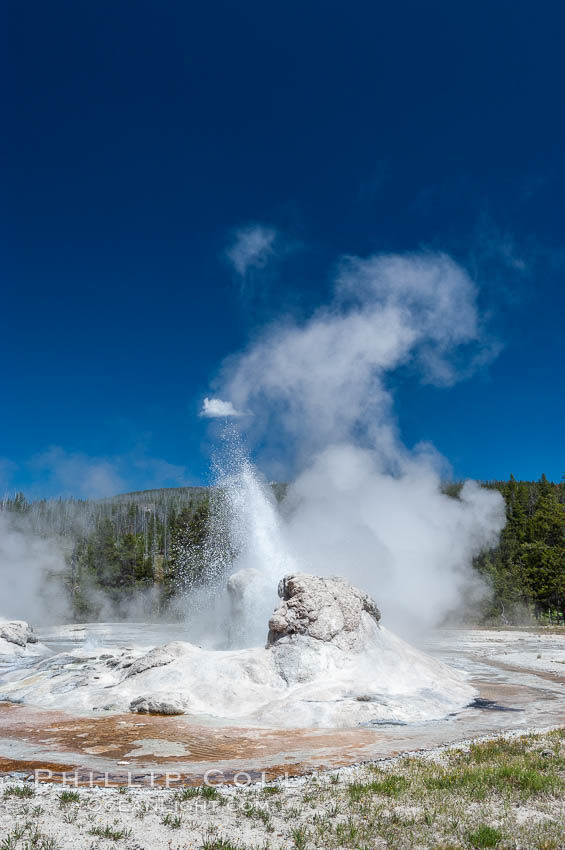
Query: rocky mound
17	638
328	662
326	609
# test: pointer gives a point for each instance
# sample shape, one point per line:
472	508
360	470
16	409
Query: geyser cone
328	663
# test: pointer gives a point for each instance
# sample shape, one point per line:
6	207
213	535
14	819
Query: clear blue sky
137	136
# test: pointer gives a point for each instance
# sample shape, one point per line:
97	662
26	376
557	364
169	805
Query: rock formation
156	705
157	657
326	609
17	638
18	632
328	663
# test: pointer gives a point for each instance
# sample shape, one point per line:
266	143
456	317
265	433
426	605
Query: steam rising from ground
362	504
27	563
400	538
35	579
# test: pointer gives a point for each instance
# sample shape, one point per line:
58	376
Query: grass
504	793
205	792
21	791
388	786
500	778
110	832
172	821
186	794
34	839
484	836
348	832
257	813
299	837
269	790
445	802
66	797
488	751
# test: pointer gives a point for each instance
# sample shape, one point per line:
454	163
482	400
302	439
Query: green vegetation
220	844
115	834
388	786
527	568
66	797
485	836
299	837
32	838
21	791
505	793
172	821
206	792
269	790
124	546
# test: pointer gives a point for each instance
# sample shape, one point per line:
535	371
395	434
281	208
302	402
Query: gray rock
154	658
325	609
156	705
17	632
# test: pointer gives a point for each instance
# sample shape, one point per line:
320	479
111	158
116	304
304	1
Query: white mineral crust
327	662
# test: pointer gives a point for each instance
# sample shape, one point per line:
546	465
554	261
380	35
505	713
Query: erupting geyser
327	662
361	504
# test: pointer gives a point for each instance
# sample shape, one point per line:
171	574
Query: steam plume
29	565
363	505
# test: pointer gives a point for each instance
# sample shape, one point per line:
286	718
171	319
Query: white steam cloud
324	380
363	505
30	568
252	248
213	408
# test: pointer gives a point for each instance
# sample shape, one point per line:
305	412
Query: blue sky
140	142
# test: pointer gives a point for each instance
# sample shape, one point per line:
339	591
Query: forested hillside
527	568
116	548
155	540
